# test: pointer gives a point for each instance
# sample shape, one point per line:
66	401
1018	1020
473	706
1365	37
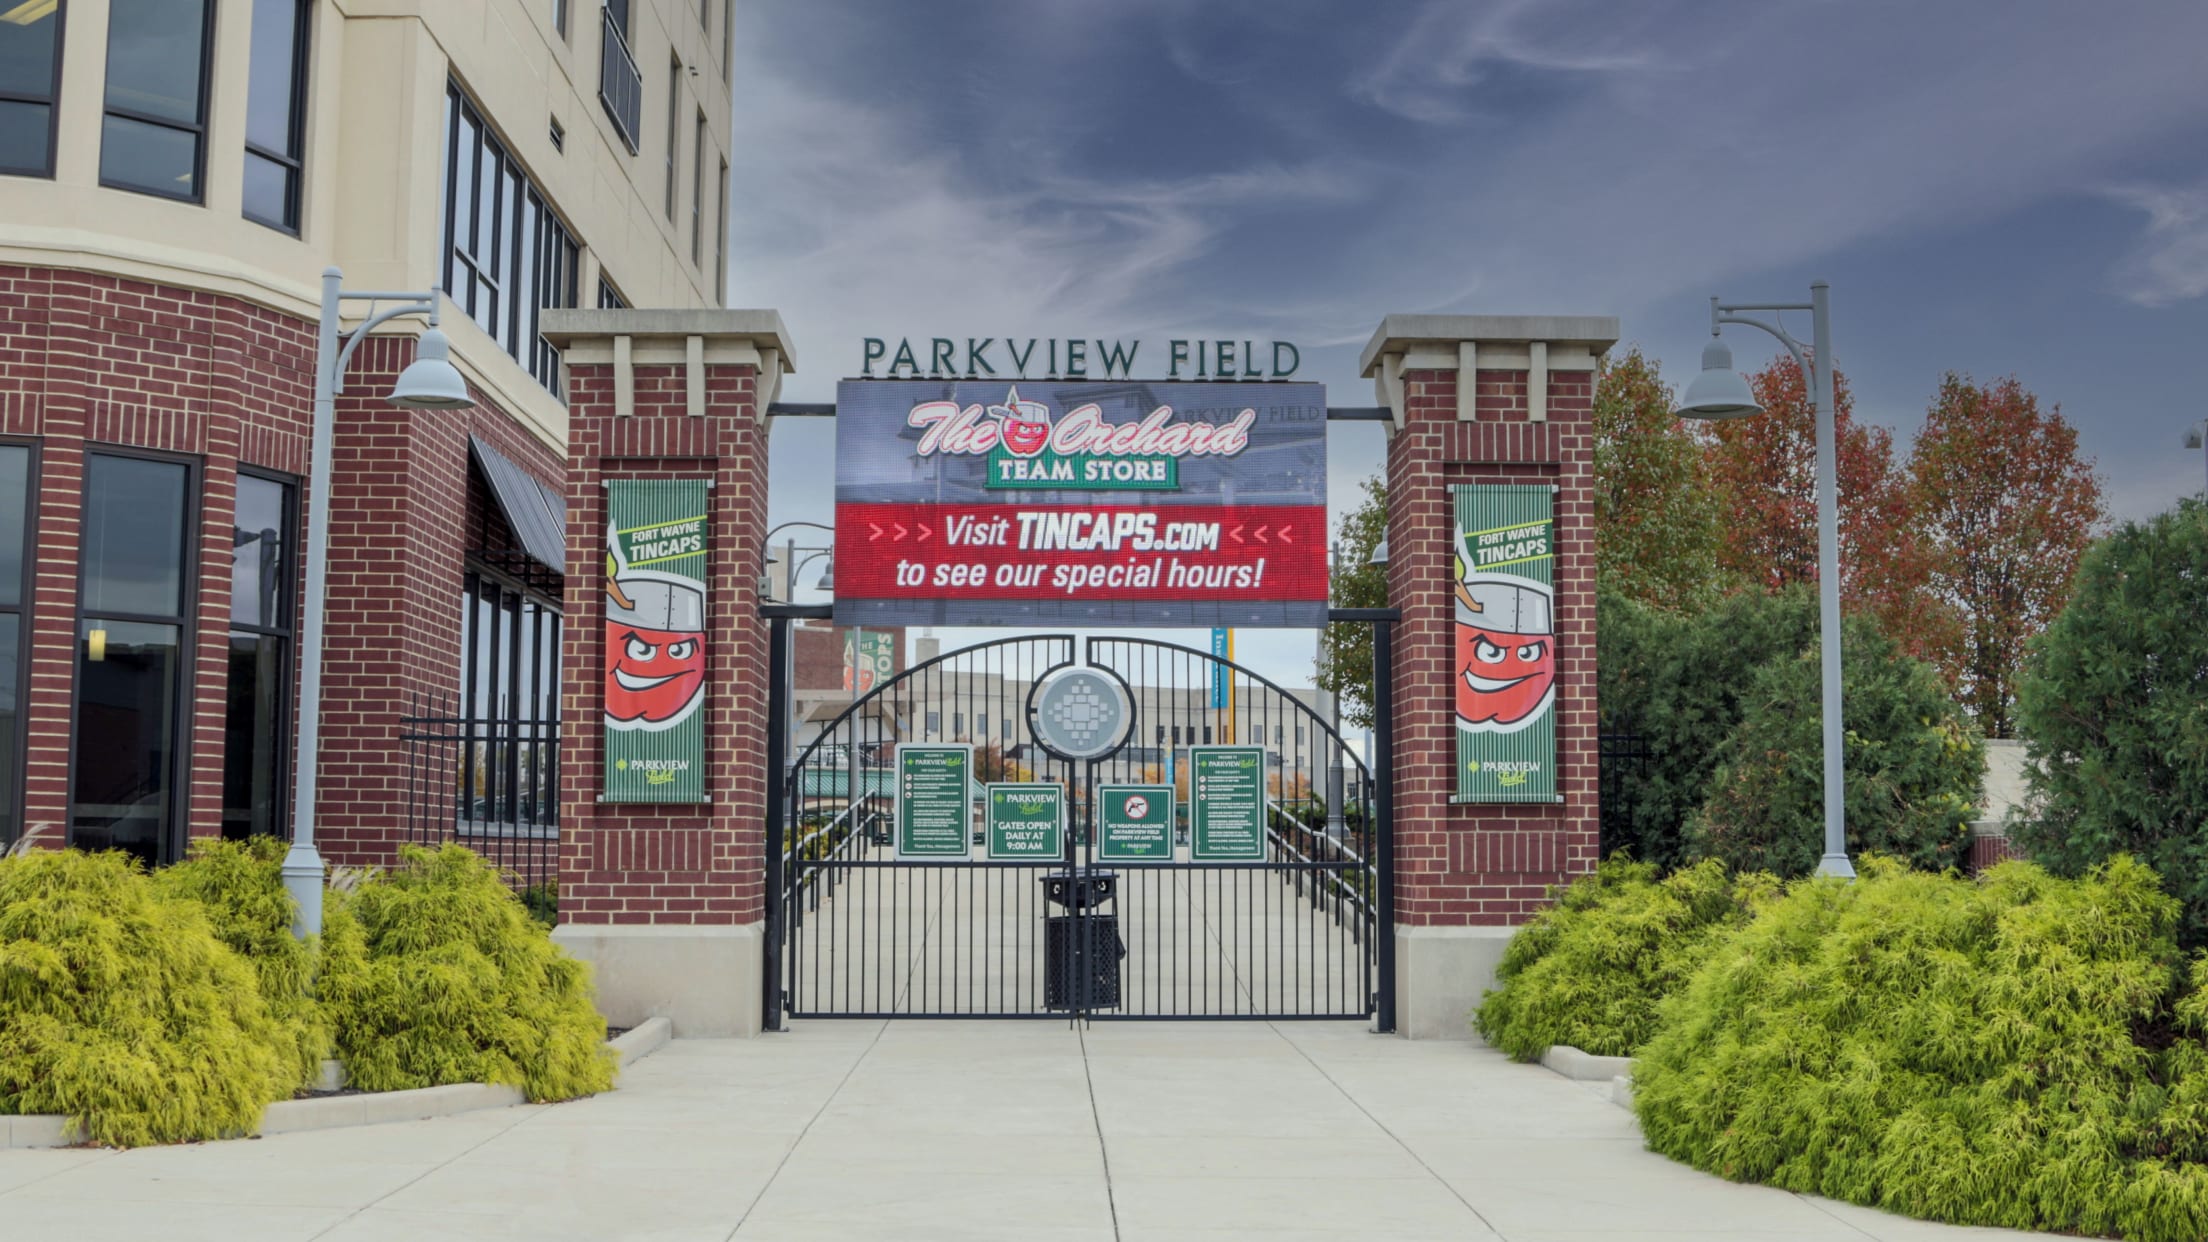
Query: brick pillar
669	901
1466	874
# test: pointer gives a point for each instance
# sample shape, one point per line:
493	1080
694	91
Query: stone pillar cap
1399	334
763	328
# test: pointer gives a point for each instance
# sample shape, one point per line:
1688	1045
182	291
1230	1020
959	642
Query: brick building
174	177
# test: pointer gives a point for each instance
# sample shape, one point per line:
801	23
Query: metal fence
492	785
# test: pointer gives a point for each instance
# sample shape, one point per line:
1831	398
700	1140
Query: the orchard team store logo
1083	450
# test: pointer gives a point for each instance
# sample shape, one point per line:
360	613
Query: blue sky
1994	187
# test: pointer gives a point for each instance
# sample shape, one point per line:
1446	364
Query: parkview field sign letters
1504	664
1118	504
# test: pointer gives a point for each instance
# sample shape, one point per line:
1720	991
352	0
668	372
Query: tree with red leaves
1766	470
2007	507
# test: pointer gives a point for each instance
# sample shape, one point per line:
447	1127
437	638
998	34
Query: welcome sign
1131	503
1505	643
655	642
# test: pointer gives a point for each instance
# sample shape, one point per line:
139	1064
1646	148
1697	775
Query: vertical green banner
934	801
1504	665
1027	821
655	640
1134	823
1226	803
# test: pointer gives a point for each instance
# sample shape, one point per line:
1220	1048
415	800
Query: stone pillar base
704	978
1440	975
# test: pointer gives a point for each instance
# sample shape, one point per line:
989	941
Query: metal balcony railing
620	85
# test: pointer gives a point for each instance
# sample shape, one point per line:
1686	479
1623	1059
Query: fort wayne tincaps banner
1505	644
1113	504
655	640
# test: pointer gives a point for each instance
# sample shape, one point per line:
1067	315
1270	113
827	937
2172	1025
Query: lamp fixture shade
431	382
1719	392
827	579
1379	552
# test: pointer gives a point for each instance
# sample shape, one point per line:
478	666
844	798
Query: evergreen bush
435	973
1914	765
123	1009
239	886
1590	970
2113	707
2017	1051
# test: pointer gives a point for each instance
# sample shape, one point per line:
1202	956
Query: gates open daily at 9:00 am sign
1093	503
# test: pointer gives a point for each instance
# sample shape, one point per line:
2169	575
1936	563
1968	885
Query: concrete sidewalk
969	1130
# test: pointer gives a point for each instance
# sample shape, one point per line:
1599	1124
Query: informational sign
655	641
1226	803
1122	503
1134	823
869	659
935	815
1026	821
1504	670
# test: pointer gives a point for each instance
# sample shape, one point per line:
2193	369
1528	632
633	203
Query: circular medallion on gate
1080	713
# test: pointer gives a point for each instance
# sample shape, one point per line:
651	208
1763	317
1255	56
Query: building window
674	130
609	298
558	134
981	726
256	734
720	248
509	705
127	769
935	724
697	193
276	112
30	83
728	36
620	82
507	256
958	724
151	139
15	565
559	17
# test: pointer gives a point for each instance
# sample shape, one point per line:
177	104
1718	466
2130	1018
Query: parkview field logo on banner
655	653
1126	503
1505	644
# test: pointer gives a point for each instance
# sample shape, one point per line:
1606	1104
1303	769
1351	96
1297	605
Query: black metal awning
537	514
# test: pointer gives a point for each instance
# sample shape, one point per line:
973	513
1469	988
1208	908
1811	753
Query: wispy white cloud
1451	47
2169	263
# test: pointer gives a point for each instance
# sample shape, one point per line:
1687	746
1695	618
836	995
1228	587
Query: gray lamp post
430	382
2196	436
1720	392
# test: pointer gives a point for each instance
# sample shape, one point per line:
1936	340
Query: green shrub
2113	708
435	973
1914	765
1590	970
124	1010
2000	1052
1681	685
240	888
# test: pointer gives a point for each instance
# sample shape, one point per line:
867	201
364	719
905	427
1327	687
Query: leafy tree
2007	507
1913	764
1765	470
1658	521
2113	706
1345	651
1679	685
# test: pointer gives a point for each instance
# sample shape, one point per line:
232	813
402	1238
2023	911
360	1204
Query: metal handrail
620	82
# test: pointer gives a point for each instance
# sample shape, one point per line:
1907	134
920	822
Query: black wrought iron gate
856	931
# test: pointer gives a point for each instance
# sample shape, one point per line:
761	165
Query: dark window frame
560	15
22	610
170	849
302	53
510	600
610	296
697	191
52	102
287	707
198	130
674	133
720	245
518	210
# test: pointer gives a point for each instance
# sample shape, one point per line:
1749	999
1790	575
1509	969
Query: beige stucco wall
375	159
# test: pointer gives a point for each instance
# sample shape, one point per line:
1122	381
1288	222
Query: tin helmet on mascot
655	647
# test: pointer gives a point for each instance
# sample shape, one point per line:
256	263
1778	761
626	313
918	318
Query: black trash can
1081	949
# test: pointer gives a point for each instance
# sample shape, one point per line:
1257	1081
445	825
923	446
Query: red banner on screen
1217	553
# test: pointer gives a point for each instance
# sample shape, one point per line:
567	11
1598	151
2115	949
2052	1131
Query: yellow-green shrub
2014	1051
435	973
1590	970
240	887
123	1010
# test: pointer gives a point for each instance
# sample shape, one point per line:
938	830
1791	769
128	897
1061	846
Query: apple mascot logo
655	646
1026	425
1506	652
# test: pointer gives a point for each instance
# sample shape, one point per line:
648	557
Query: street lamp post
430	382
2196	437
1720	392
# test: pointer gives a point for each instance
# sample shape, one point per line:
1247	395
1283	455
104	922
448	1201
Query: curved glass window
276	112
30	83
153	136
